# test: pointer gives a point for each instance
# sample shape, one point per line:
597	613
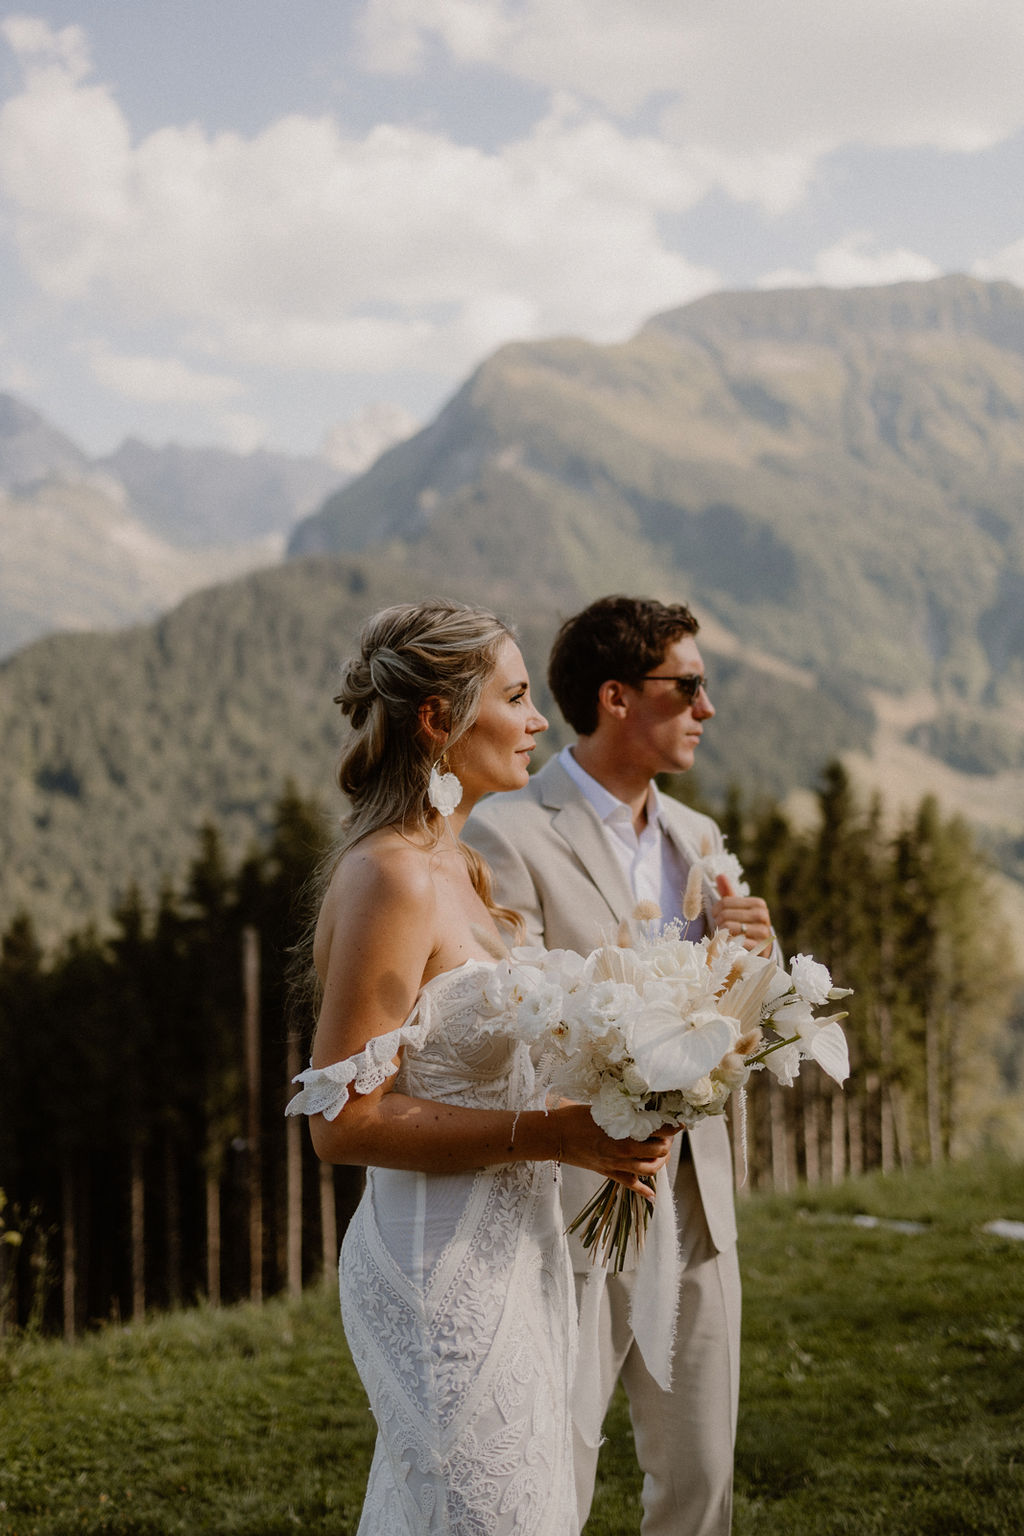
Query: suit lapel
577	823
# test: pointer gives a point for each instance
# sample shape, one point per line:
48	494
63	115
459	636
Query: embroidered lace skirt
457	1302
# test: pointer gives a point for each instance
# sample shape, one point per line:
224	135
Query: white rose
811	979
727	864
540	1010
615	1112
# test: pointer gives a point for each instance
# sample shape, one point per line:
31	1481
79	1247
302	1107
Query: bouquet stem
611	1221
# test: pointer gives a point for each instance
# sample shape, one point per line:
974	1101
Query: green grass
883	1392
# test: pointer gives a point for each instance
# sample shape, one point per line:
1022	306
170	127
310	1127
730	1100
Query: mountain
75	558
834	480
195	498
836	476
118	747
31	449
98	543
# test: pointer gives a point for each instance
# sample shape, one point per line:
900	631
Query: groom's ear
434	717
612	699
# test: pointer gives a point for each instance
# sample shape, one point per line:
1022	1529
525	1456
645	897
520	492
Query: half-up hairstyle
408	654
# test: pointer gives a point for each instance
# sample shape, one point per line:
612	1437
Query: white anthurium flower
669	1055
784	1064
828	1047
811	979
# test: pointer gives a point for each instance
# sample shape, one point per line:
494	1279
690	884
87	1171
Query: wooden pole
251	994
212	1238
69	1258
293	1157
838	1161
328	1222
138	1230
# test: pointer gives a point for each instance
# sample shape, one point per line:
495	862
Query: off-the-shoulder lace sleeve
325	1090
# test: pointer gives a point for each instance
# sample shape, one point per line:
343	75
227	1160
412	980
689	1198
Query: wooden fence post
251	994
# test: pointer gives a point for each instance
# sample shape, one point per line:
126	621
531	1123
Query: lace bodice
450	1052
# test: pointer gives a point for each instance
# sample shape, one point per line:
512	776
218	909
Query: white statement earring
444	789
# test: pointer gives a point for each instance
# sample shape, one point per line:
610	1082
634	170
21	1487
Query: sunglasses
688	687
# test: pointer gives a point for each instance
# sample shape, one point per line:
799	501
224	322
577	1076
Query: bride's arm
378	939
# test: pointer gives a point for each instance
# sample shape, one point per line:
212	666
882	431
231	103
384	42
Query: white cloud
40	47
160	380
302	247
1007	264
855	262
242	431
754	94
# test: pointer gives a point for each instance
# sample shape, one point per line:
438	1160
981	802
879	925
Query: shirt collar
602	800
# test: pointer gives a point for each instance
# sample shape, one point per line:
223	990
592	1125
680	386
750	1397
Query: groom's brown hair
618	638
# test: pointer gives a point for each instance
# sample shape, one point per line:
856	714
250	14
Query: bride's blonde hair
409	654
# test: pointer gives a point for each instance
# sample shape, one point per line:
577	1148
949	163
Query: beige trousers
685	1438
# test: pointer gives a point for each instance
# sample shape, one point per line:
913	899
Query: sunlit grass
883	1392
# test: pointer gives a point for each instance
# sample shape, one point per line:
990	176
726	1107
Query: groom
574	851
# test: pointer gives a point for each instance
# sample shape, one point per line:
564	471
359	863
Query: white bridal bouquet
654	1030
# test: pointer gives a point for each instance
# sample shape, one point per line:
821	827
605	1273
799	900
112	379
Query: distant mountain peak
31	449
352	446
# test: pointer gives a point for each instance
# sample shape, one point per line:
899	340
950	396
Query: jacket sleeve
513	883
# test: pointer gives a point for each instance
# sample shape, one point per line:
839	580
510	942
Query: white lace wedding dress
456	1295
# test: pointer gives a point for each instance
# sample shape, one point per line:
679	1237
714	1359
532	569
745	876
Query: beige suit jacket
551	861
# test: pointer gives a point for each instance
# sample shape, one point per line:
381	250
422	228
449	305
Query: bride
456	1295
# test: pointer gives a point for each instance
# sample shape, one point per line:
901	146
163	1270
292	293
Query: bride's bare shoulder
385	869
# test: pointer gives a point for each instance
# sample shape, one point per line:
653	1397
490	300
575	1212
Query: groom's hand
747	917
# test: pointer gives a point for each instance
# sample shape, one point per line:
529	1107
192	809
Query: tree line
145	1160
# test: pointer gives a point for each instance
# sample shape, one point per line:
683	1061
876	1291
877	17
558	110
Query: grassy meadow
883	1391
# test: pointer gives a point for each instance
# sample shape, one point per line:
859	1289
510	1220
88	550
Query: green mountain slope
118	747
838	476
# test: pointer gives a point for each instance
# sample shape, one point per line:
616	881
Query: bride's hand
584	1145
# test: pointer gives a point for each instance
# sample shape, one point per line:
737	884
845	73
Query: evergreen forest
145	1161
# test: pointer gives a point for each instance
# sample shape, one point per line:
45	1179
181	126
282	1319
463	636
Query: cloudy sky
241	221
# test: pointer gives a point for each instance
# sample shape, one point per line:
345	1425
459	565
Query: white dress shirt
652	864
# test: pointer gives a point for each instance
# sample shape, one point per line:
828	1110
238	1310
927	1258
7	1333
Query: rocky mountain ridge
98	543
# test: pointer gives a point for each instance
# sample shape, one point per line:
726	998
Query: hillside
837	476
118	747
99	543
